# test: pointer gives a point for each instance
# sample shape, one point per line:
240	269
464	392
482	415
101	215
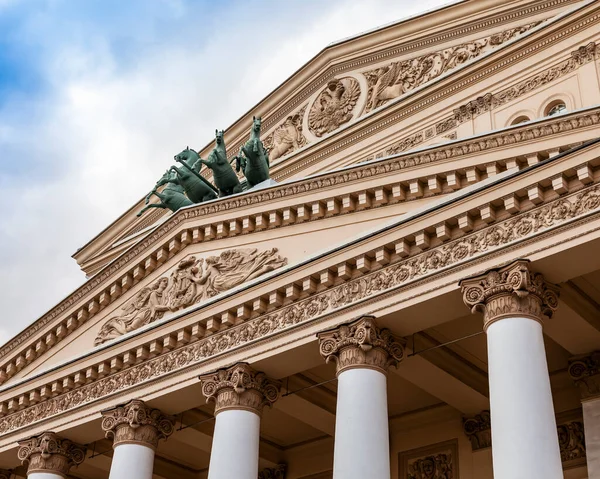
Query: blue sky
97	95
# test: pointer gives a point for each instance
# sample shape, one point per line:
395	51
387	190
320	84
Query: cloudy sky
97	95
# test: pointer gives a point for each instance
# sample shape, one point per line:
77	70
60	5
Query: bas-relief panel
193	280
349	96
438	461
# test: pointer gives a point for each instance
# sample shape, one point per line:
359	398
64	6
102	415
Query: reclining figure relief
193	281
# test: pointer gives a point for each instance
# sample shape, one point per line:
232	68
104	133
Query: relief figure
147	306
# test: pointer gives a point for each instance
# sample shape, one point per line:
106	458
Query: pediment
343	86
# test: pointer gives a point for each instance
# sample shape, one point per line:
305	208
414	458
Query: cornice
166	240
408	259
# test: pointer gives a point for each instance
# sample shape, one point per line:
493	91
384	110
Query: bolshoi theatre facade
389	268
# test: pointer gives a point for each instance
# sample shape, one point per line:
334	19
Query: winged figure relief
334	106
287	137
391	81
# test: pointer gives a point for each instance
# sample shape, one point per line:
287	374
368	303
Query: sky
96	96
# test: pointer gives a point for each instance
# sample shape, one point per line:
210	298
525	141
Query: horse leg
151	205
237	188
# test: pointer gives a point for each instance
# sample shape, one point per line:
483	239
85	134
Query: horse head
219	137
256	124
188	156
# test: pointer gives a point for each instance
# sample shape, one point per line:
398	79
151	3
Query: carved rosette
361	344
50	453
585	371
240	387
510	291
479	430
136	423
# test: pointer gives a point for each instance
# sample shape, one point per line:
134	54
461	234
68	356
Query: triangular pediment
322	117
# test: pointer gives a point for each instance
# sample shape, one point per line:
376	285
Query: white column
132	461
236	436
240	394
363	354
48	456
515	301
136	430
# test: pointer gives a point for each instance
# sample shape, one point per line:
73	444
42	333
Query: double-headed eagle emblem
333	107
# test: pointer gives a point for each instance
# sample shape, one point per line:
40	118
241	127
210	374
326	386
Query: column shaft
132	461
240	394
44	475
524	438
361	427
235	445
515	302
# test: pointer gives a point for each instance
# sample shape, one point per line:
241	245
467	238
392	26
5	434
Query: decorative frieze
389	82
510	291
479	430
361	344
49	453
438	461
240	387
136	423
124	280
585	371
287	137
277	472
334	106
404	268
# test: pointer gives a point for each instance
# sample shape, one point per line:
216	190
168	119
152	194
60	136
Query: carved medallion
334	106
438	461
193	281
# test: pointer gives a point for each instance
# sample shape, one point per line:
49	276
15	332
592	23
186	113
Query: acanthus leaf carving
49	453
192	281
479	430
361	344
509	291
585	372
240	387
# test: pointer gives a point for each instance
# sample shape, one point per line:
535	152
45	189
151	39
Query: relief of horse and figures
185	186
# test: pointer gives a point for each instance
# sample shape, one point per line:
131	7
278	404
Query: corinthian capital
510	291
240	387
49	453
585	371
361	344
136	423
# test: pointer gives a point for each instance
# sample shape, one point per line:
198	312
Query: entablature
518	212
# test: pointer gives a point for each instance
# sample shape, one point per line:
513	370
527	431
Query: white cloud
104	132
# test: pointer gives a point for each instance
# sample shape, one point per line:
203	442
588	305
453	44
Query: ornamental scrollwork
193	281
479	430
50	453
585	371
277	472
361	344
510	290
240	387
493	238
571	439
136	423
391	81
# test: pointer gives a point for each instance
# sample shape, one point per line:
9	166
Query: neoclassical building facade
414	295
